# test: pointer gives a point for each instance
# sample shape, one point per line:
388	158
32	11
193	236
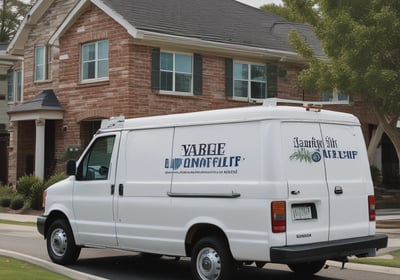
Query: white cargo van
258	184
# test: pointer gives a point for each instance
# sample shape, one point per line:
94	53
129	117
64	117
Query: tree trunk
388	124
374	142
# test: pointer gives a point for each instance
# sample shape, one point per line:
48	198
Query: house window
95	61
14	86
250	80
176	72
40	63
335	96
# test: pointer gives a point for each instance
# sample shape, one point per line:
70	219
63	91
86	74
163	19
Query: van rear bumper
330	250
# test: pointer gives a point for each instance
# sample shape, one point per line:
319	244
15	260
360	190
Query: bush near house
25	183
7	193
17	202
28	192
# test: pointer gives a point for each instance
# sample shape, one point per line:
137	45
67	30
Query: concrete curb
65	271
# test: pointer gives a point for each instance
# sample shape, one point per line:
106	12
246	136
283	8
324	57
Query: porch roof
43	106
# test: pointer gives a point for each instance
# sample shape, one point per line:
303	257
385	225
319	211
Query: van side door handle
112	189
338	190
121	189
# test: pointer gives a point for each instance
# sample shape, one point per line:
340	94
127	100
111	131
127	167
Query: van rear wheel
307	268
61	243
212	259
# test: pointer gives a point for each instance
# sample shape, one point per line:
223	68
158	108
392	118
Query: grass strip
8	222
395	262
12	269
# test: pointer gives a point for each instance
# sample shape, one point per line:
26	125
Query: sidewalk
386	215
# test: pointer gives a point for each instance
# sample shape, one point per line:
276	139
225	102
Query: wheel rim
58	242
208	264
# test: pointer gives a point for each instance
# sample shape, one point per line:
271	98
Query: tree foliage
11	14
361	39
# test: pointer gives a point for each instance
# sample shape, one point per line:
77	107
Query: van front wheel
307	268
212	259
61	243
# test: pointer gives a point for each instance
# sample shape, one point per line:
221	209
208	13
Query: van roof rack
309	105
113	122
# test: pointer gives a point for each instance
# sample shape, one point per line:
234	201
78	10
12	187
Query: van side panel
218	180
143	209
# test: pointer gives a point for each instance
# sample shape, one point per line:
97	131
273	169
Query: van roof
243	114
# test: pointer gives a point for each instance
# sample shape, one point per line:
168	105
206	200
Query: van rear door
348	179
307	207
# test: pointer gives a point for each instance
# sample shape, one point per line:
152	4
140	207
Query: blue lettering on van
209	156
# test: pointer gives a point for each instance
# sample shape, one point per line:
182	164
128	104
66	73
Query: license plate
301	212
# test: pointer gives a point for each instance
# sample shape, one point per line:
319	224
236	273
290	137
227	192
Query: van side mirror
71	167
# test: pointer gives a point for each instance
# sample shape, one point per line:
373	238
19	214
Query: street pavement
388	216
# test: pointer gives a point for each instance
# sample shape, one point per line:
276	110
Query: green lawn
395	262
8	222
12	269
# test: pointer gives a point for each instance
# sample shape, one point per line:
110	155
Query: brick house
86	60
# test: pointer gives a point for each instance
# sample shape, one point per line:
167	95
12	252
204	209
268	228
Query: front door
93	194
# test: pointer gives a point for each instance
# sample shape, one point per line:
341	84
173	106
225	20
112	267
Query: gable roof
222	25
222	21
17	44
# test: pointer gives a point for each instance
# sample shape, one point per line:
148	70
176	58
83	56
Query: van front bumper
41	224
330	250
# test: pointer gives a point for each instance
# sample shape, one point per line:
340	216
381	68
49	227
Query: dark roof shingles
224	21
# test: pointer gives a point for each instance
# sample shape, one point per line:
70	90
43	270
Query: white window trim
248	98
15	87
95	79
173	91
43	63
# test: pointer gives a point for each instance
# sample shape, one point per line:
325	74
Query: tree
290	13
11	14
361	39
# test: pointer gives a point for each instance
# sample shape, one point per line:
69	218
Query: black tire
61	243
308	268
212	259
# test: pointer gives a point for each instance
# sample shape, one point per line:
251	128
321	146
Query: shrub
6	191
5	201
25	183
37	196
17	202
6	194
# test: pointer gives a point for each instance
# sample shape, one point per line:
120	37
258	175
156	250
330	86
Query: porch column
39	148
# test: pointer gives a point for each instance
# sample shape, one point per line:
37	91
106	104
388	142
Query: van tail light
278	216
371	208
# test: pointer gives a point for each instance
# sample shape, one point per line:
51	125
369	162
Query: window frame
41	64
84	164
175	72
14	86
96	60
249	81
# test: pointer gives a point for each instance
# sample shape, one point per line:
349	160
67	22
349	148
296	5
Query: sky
259	3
